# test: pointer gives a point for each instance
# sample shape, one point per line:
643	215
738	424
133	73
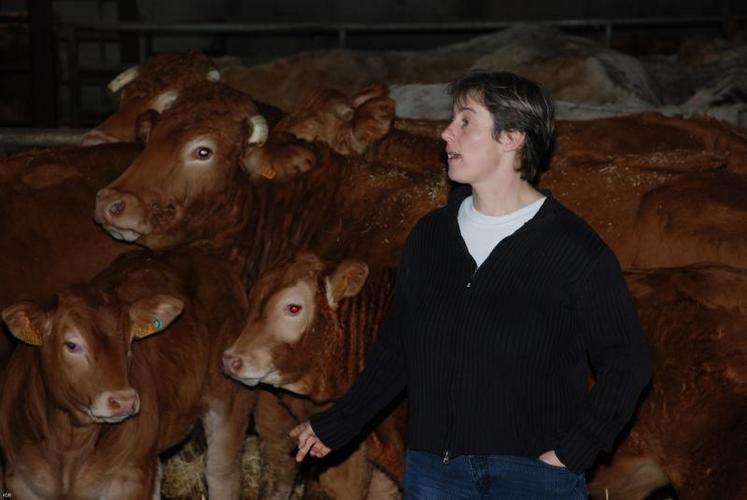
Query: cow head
156	84
185	184
84	344
293	332
349	126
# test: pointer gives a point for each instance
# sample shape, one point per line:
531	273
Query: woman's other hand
548	457
309	442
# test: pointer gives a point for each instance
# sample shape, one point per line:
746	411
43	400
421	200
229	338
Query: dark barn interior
326	148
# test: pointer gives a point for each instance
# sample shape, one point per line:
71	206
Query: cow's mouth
126	235
270	378
109	419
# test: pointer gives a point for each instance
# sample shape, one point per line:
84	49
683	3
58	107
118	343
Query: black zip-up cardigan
495	359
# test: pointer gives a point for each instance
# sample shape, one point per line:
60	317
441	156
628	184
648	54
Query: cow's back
49	239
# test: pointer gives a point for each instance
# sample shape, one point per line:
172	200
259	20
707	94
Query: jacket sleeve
617	350
383	376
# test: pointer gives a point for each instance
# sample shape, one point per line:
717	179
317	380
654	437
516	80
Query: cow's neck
280	218
359	320
68	438
361	316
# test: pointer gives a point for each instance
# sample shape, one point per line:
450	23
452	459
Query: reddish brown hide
89	401
690	429
49	239
309	329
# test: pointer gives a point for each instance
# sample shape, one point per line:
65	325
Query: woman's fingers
319	450
304	447
308	442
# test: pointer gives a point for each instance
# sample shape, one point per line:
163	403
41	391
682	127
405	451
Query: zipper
472	277
450	427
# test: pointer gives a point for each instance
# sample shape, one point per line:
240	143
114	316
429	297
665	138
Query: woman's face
473	154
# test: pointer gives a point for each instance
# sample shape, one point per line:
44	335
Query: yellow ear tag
30	334
267	172
145	329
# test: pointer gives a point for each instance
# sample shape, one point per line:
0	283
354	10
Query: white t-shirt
483	232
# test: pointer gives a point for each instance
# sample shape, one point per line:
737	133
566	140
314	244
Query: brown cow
49	240
307	306
199	182
85	410
690	429
203	180
156	85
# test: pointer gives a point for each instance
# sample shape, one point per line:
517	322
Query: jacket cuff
577	452
332	429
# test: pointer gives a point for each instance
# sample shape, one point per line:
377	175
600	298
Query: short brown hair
515	104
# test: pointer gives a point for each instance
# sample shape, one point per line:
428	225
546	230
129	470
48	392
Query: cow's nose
231	364
124	402
112	202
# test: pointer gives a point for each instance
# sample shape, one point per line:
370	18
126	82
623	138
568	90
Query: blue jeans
502	477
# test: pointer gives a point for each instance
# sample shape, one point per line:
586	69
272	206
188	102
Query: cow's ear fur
346	281
27	322
153	314
144	124
279	160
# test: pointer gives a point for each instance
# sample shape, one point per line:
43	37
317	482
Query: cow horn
259	130
213	75
344	112
123	79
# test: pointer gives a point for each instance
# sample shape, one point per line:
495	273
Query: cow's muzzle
120	214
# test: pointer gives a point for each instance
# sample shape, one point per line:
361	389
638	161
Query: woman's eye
465	123
294	309
72	347
203	153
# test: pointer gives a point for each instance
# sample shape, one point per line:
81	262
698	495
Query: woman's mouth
452	156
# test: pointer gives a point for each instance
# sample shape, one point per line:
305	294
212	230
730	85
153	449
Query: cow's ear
373	120
152	314
164	101
346	281
373	91
27	322
281	159
144	125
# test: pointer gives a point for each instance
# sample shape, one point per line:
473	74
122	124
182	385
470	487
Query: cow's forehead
168	71
87	313
288	274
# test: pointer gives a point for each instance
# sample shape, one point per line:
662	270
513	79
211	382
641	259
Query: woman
503	299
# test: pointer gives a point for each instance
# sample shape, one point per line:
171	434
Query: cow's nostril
236	364
117	207
114	404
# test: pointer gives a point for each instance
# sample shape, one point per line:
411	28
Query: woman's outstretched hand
308	442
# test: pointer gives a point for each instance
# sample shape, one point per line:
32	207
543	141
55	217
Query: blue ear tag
157	324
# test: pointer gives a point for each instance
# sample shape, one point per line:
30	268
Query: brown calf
96	391
309	328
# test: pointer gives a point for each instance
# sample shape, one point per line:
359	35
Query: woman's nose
446	134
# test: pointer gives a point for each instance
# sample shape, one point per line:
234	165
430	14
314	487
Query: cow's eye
294	309
72	347
203	153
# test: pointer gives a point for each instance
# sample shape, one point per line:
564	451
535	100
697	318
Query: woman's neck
504	198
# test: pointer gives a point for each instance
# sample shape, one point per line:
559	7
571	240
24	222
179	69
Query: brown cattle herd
204	257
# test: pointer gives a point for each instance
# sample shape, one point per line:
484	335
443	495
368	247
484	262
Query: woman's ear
512	140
